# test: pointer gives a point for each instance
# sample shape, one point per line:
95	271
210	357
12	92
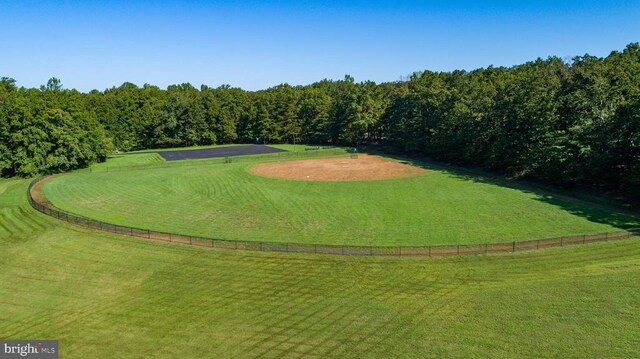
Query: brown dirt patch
37	192
362	168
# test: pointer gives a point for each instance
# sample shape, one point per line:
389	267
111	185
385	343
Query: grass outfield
228	202
116	297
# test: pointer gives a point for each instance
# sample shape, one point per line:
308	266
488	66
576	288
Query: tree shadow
590	206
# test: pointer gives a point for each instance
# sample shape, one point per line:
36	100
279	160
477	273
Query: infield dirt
363	168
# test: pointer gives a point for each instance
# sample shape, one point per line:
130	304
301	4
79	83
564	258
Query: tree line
564	122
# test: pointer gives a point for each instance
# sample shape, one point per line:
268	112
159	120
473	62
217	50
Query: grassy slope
107	296
226	201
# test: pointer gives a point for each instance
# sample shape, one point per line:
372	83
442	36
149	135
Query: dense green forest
564	122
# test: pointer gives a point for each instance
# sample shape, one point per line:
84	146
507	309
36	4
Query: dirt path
37	192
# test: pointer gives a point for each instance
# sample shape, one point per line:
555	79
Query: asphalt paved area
230	151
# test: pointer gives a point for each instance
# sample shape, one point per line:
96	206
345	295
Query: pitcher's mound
362	168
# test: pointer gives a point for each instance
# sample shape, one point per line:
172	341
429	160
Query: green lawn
151	159
105	296
228	202
143	159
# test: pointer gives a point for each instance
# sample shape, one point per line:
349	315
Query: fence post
514	246
584	238
429	251
538	244
170	239
606	236
561	241
486	248
148	234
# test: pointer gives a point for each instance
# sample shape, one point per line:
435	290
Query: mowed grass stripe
127	160
23	223
16	219
226	201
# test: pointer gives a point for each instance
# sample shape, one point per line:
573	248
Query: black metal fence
430	251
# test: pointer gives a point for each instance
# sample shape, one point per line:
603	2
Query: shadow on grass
591	207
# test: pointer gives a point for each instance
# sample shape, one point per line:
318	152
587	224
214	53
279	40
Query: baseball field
323	197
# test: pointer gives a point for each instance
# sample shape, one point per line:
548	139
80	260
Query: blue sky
255	44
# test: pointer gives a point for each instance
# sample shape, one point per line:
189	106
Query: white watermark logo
36	349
